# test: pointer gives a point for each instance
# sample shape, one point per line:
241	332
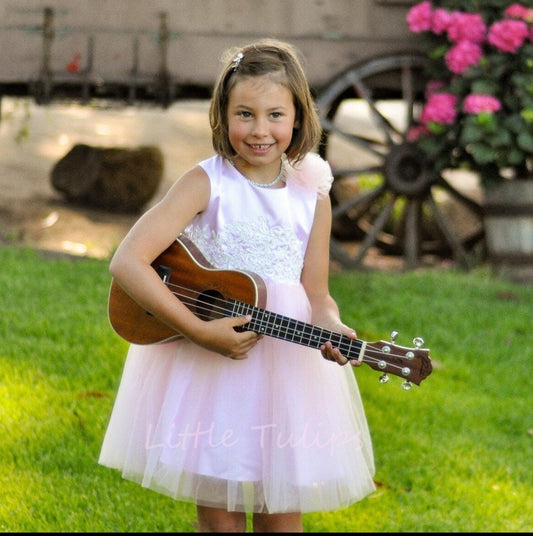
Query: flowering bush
478	110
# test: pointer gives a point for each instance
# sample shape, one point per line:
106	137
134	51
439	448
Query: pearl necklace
263	184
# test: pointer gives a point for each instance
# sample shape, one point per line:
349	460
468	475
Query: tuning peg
393	336
406	385
418	342
384	378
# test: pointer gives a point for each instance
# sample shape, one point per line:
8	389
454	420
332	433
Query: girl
228	419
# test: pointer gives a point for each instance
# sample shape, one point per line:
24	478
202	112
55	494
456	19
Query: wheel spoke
412	233
364	92
408	94
342	173
361	141
379	223
468	201
362	199
460	253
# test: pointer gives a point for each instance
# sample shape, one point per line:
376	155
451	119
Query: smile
260	147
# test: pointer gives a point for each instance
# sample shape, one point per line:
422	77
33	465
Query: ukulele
212	293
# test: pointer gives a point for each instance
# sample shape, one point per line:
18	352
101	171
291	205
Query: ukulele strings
206	307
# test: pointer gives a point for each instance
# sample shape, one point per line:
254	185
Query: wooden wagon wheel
385	193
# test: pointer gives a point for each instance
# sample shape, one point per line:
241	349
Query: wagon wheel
385	194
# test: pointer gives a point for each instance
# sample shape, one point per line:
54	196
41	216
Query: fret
335	338
247	309
307	330
285	324
293	331
276	325
238	308
262	319
325	335
354	348
315	339
298	332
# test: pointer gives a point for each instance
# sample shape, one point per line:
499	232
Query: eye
244	114
276	115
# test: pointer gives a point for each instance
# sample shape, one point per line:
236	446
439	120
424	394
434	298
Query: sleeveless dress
281	431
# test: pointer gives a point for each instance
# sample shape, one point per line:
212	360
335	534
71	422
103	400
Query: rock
115	179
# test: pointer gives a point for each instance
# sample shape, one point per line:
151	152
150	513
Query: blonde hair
281	61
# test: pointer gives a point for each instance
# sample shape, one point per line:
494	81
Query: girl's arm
148	238
315	279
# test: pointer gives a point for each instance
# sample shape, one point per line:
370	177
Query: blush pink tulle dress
281	431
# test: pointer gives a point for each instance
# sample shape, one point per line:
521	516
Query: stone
114	179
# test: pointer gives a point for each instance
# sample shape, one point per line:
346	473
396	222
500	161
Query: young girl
231	420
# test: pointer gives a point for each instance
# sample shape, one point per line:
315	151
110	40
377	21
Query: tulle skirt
281	431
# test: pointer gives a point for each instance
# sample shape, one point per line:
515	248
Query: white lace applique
274	253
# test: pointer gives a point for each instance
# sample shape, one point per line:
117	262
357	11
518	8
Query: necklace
263	184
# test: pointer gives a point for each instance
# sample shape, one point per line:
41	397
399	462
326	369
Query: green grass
452	455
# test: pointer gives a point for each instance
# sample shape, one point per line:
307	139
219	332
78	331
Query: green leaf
525	141
510	156
436	128
482	153
484	86
527	115
487	121
515	123
471	134
501	138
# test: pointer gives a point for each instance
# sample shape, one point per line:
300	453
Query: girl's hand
332	353
220	336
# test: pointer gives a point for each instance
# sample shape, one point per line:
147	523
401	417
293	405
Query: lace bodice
258	229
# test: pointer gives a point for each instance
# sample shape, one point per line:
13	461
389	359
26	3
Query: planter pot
508	221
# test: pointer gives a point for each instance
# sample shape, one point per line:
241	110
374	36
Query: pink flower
462	56
466	26
440	108
433	86
419	17
441	21
508	35
417	132
518	11
476	104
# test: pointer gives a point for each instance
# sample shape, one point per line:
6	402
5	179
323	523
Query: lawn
452	455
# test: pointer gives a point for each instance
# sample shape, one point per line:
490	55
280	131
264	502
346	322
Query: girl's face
261	118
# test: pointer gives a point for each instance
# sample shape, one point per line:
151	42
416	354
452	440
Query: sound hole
211	305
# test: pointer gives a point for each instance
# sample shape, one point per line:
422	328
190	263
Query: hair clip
237	60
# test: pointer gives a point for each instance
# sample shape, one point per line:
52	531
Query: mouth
260	147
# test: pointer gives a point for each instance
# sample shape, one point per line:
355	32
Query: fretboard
288	329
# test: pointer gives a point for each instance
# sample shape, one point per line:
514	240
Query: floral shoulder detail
312	173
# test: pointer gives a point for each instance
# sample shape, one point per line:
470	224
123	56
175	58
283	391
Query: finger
332	354
241	320
327	351
339	358
238	357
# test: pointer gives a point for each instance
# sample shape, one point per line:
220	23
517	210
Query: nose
260	127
